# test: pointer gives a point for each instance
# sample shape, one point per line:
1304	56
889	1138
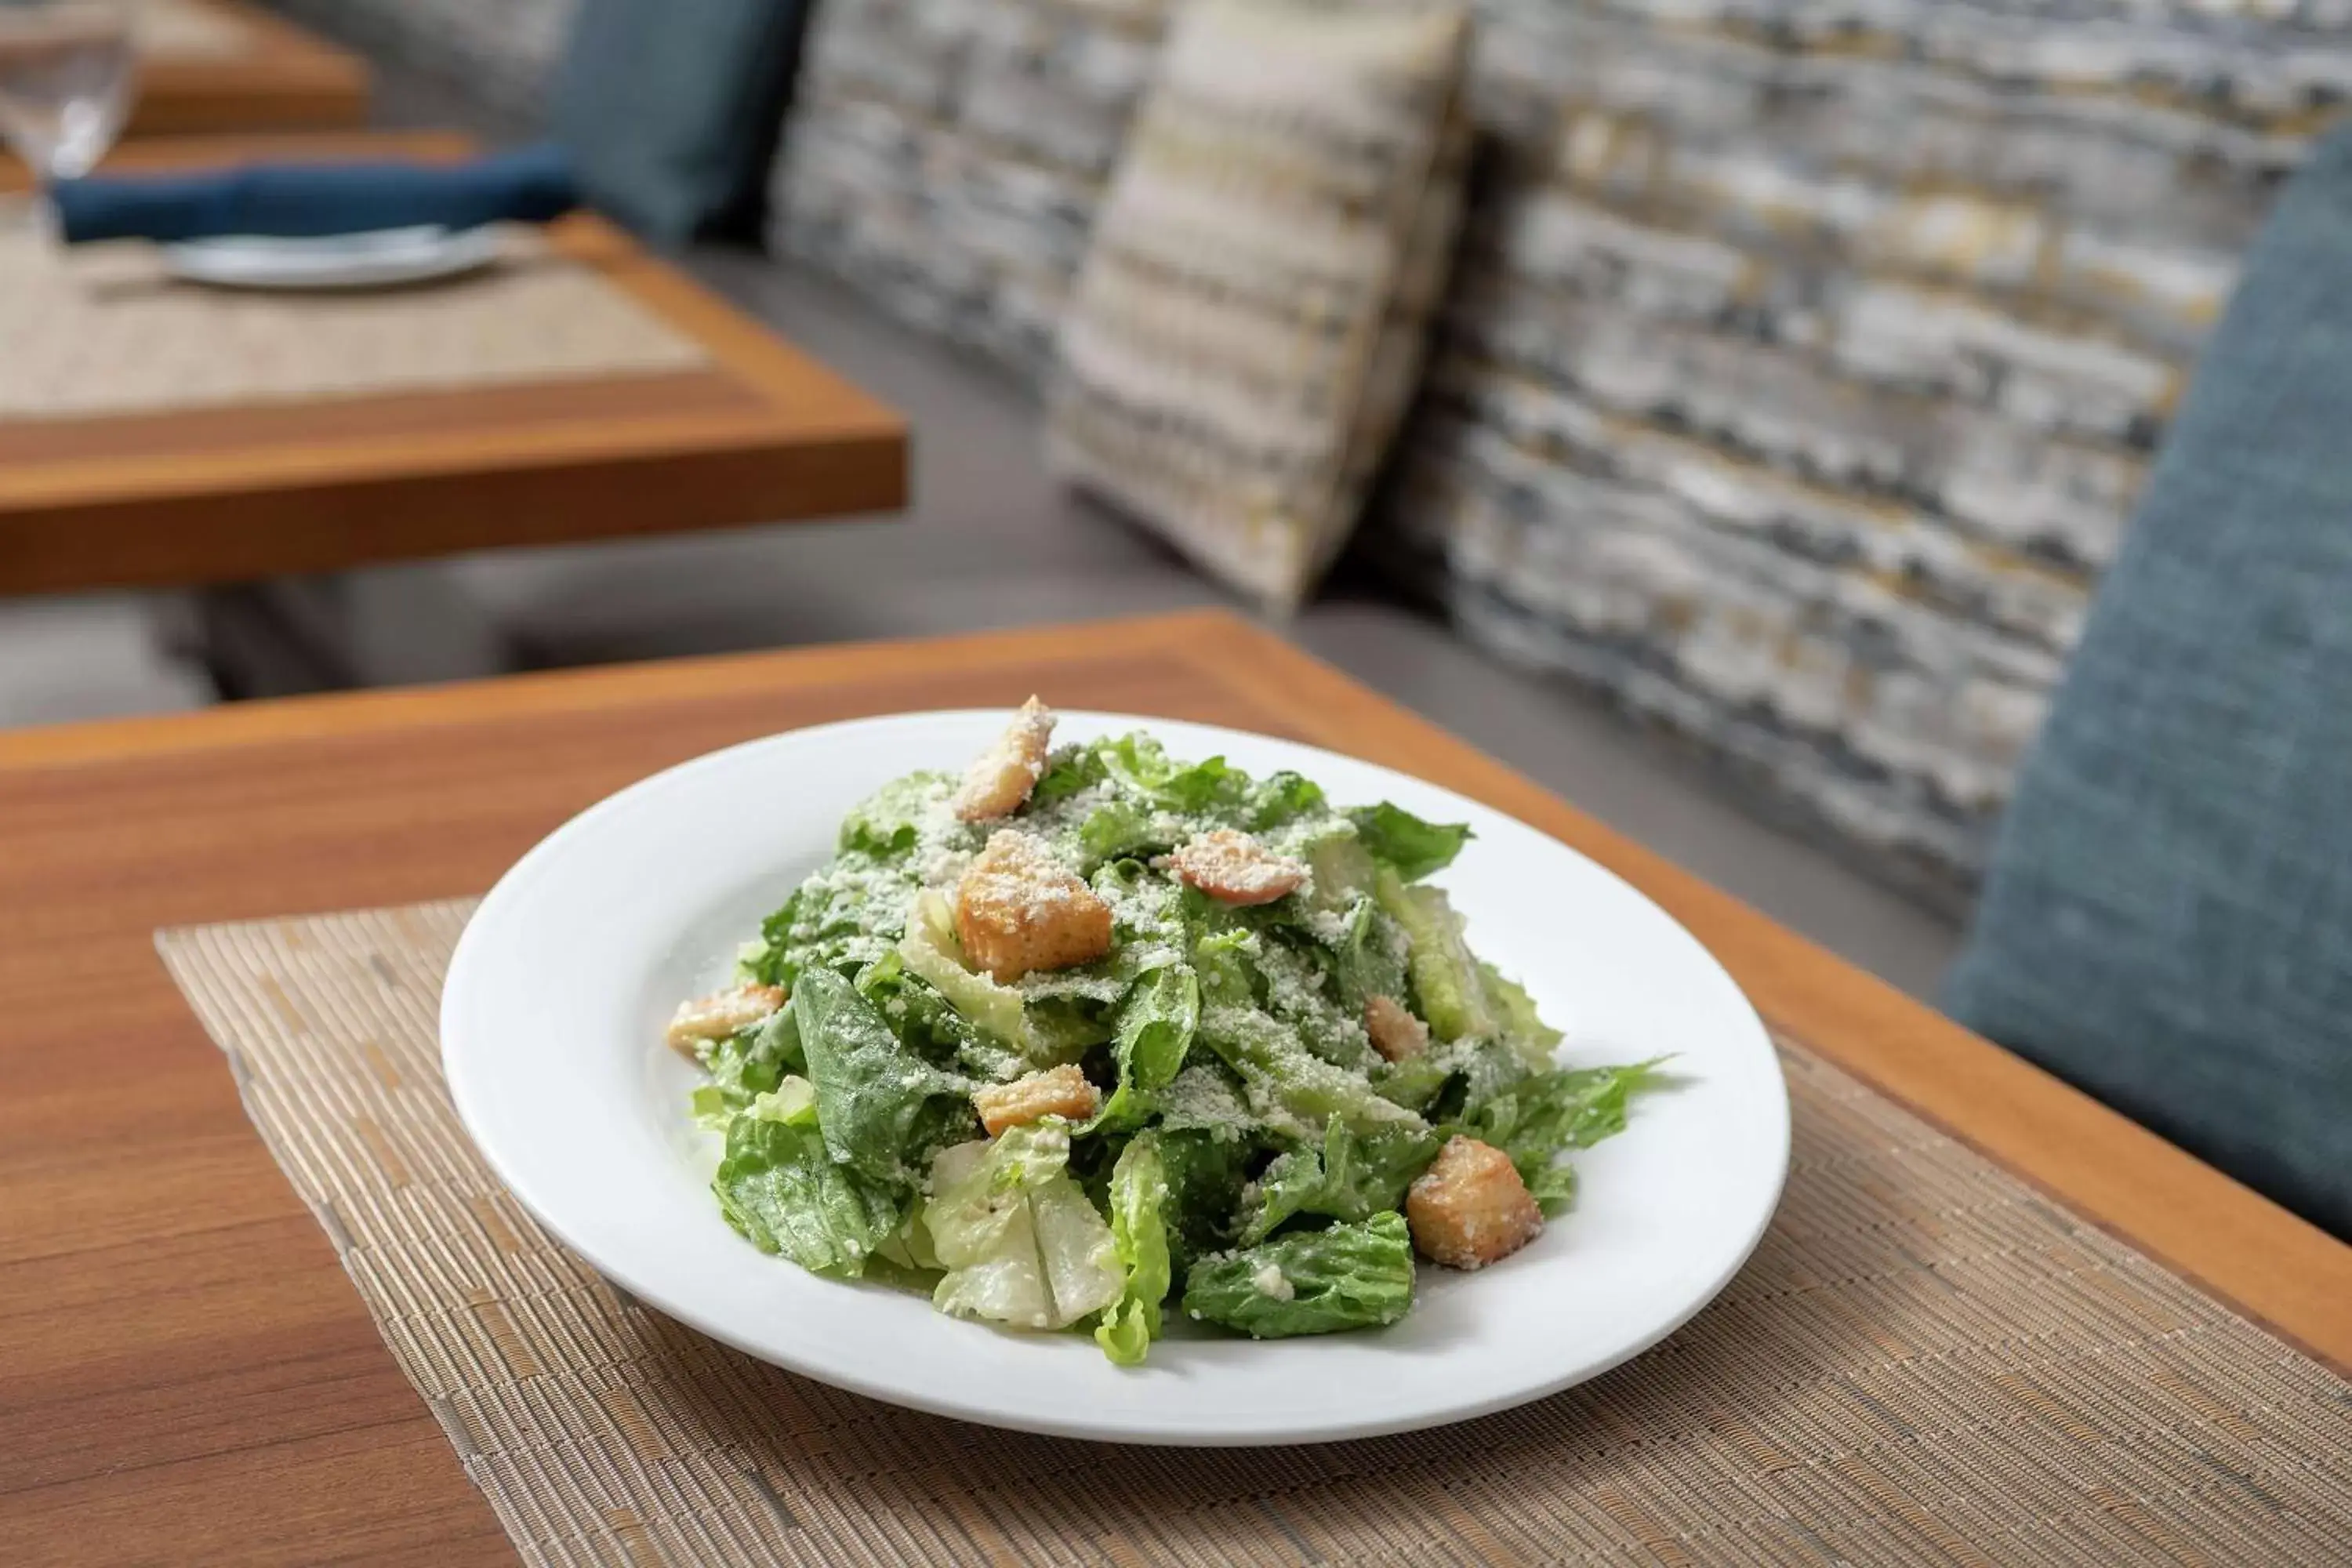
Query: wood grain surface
185	1374
765	433
286	78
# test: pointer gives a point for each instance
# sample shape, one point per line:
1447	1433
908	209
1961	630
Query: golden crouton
1470	1208
1000	780
1234	869
1396	1034
1062	1091
1018	910
721	1014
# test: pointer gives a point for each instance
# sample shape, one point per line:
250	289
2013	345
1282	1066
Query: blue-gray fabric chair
670	108
2168	921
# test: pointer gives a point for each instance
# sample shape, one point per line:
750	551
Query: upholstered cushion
670	106
1248	322
2169	919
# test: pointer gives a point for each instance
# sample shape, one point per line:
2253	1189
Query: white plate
382	258
551	1037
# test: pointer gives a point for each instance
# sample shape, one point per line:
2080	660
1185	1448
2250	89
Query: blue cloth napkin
533	184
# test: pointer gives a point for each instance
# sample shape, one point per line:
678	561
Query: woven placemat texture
1925	1363
100	333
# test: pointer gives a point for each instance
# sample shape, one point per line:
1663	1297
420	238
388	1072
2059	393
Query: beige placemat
1924	1363
101	331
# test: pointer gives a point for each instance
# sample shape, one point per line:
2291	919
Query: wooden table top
185	1372
757	432
278	77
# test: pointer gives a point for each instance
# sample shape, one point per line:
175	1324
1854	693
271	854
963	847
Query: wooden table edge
282	718
2277	1269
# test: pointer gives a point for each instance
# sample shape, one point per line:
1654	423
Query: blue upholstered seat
2168	917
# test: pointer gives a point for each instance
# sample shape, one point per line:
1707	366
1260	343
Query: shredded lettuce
1313	1282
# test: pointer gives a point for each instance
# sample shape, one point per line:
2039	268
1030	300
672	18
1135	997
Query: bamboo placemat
1925	1363
87	334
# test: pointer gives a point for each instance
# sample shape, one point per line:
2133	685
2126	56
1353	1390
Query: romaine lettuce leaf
1369	960
745	1065
1288	1085
1153	1034
1204	1167
883	1108
1595	1098
1412	847
1343	871
1068	770
1544	1114
1445	979
1300	990
1222	960
1351	1177
1279	799
843	916
1414	1083
1139	1192
1142	767
929	948
929	1024
1020	1241
1523	1027
792	1100
1118	828
783	1191
1310	1282
886	824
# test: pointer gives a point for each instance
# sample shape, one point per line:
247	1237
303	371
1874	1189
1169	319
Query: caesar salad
1089	1035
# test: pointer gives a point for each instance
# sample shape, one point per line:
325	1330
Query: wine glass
67	72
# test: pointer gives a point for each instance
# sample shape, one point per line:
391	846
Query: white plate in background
380	259
551	1039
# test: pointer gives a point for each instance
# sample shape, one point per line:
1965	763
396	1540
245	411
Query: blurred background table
157	434
152	433
209	66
